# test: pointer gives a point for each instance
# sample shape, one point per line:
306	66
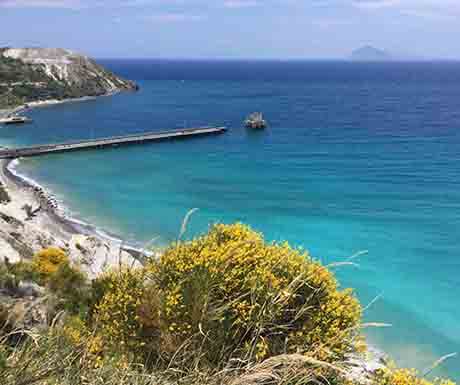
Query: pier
109	142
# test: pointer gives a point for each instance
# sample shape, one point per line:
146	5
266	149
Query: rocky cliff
33	74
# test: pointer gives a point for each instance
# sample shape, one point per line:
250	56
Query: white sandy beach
21	237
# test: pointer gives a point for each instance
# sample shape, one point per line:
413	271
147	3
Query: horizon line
275	59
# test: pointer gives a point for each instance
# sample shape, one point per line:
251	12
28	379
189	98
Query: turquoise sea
359	157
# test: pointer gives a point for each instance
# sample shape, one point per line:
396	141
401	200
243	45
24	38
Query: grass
61	362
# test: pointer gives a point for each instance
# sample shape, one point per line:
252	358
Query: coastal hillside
40	74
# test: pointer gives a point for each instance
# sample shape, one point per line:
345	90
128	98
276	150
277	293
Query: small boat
15	120
255	120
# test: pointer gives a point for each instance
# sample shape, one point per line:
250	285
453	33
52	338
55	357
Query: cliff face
31	74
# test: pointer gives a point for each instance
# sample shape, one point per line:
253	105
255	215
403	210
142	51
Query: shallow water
358	157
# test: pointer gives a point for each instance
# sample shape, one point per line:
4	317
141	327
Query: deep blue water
358	157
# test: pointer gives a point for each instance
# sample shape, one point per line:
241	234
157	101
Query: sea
359	160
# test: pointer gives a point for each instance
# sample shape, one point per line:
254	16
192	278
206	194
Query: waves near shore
56	206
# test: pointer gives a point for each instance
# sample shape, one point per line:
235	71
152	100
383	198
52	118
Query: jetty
109	142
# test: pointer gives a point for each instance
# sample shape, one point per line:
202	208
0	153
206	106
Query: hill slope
33	74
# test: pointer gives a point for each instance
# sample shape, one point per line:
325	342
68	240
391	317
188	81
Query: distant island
34	75
369	53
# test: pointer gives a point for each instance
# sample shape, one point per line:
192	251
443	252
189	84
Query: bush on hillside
13	273
4	196
6	279
51	268
67	282
229	294
406	377
116	313
70	285
254	299
46	262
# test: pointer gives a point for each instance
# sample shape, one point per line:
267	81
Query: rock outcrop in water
40	74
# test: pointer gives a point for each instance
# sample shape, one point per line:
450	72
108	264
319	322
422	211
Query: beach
33	220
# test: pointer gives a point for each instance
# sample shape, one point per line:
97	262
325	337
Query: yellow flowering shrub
76	332
117	310
48	261
52	267
242	297
405	377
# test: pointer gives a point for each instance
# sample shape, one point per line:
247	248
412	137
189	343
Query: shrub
70	285
48	261
12	274
405	377
253	299
229	294
76	332
118	301
4	196
24	271
5	278
51	267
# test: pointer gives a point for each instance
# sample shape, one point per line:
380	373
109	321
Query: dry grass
50	359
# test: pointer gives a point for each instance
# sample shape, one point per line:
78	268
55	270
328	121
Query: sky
264	29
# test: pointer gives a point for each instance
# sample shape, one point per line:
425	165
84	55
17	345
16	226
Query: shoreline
58	214
52	102
44	198
21	235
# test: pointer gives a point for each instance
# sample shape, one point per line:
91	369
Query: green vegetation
405	377
14	71
4	196
225	308
48	261
22	83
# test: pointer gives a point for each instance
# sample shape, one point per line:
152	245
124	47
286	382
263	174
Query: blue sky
234	28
